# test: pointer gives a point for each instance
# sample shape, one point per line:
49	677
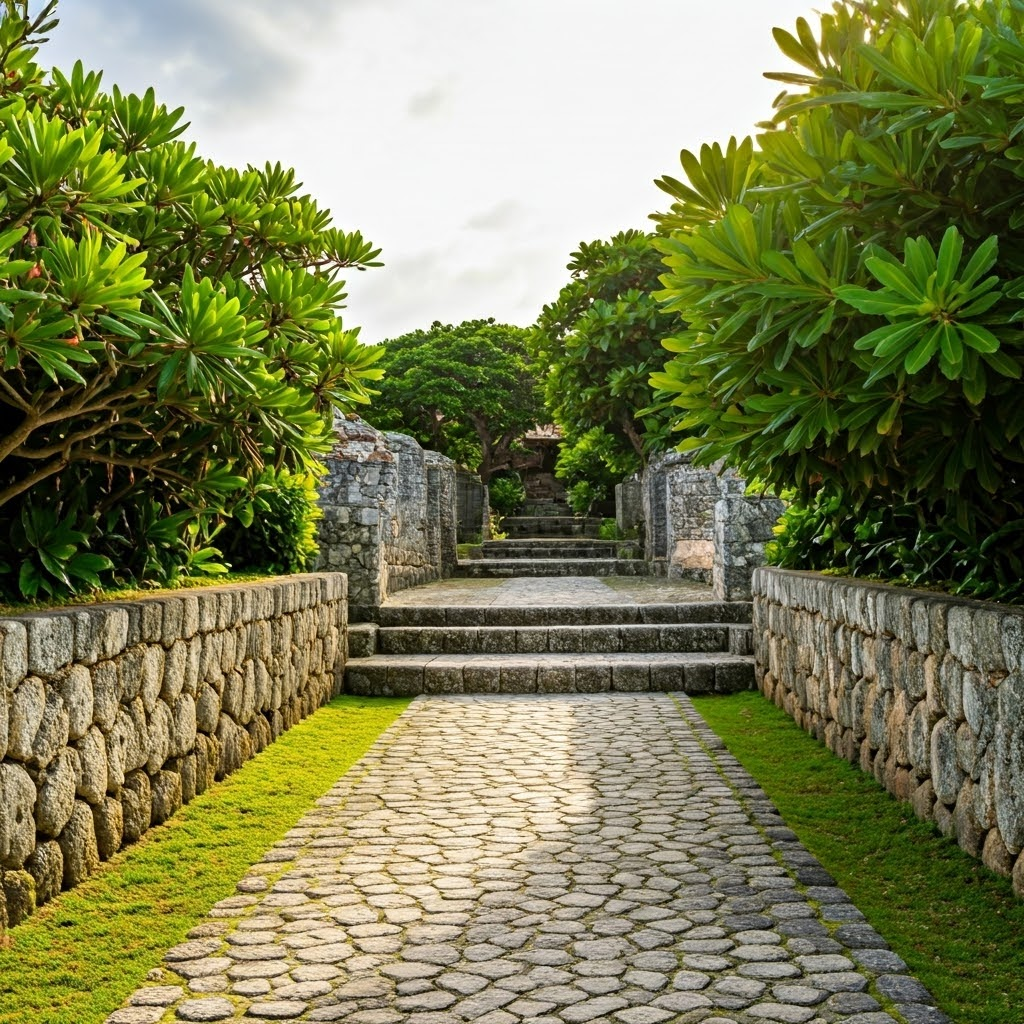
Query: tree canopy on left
466	391
168	329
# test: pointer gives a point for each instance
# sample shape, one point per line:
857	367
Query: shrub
507	494
852	286
591	465
278	532
168	328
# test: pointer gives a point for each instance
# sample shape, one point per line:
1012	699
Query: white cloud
477	143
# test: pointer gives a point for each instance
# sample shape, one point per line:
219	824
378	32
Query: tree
466	391
851	286
168	328
599	341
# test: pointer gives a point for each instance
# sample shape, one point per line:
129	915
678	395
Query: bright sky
476	141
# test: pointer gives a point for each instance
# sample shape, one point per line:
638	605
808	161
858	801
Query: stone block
960	631
52	736
160	729
130	678
46	866
105	694
969	832
166	795
556	677
74	685
995	856
13	653
108	820
438	679
136	804
19	889
78	845
630	677
1009	761
519	677
732	676
27	705
51	642
17	823
668	677
56	794
946	774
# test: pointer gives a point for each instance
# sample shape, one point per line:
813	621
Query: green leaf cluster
851	284
598	343
168	329
467	391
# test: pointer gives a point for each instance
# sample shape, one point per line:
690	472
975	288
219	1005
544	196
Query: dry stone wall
389	514
926	692
114	715
699	524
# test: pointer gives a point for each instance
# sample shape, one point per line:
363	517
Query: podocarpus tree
466	391
597	344
168	328
852	288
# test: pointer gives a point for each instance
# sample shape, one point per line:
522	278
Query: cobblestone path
551	860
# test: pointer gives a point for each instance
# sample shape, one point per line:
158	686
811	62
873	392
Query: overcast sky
476	141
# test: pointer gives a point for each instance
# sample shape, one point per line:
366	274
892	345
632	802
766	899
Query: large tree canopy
852	285
168	328
597	344
466	391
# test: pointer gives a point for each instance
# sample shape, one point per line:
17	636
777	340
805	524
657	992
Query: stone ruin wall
114	715
389	511
924	691
699	525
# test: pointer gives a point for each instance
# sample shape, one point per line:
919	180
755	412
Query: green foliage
466	391
168	328
609	530
278	532
506	494
851	287
599	341
591	465
898	543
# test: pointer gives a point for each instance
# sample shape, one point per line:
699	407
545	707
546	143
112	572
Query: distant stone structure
389	516
699	524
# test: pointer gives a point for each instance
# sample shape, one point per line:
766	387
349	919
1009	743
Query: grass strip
77	959
958	926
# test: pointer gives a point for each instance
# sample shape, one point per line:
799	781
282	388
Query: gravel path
551	860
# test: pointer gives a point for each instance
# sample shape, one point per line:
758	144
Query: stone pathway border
547	860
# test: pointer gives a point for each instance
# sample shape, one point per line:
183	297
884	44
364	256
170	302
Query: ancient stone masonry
924	691
114	715
700	526
388	514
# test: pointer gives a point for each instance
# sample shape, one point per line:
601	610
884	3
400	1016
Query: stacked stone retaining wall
114	715
924	691
389	516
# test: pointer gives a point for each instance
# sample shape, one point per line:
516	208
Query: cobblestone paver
549	860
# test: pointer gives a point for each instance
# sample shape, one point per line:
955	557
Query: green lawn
958	926
76	959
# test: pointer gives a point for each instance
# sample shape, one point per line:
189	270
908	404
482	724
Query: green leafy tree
851	286
466	391
597	344
168	328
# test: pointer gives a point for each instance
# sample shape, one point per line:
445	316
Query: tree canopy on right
851	290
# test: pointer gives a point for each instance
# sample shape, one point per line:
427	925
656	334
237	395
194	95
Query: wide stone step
501	568
369	639
700	612
569	547
550	526
409	675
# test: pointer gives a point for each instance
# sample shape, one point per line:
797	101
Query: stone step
550	526
369	639
567	547
408	675
699	612
504	568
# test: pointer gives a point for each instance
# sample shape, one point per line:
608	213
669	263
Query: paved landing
551	860
548	591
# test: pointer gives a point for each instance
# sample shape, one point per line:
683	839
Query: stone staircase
696	647
554	554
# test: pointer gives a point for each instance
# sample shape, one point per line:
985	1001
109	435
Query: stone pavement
545	859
